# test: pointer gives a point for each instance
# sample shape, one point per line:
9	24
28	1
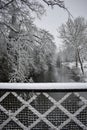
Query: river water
57	74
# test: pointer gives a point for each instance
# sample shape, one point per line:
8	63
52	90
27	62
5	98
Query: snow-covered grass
71	65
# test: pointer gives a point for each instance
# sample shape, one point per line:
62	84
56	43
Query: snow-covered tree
21	38
30	53
13	11
74	34
45	50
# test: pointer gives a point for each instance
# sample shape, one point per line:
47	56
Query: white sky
55	17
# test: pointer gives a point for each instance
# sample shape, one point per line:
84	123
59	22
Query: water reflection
57	74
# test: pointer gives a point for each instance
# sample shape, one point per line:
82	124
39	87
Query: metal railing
43	106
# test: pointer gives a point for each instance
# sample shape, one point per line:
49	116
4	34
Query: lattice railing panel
26	116
83	116
57	117
12	126
41	103
71	126
72	103
24	110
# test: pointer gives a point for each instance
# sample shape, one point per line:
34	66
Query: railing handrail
43	86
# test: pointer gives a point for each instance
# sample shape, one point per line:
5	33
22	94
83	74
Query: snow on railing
44	86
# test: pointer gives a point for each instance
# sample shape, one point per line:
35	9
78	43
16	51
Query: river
57	74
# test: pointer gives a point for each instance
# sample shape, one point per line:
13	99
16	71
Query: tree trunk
81	64
76	59
14	23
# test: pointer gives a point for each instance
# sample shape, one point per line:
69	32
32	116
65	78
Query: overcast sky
55	17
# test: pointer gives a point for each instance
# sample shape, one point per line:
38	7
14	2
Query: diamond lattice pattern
42	111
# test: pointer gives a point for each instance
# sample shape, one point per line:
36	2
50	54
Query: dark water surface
62	74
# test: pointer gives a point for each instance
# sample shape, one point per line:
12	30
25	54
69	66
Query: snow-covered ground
71	65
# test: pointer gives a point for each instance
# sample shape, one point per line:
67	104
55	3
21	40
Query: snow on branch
55	2
59	3
9	26
3	4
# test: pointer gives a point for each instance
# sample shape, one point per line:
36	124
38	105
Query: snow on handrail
43	86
